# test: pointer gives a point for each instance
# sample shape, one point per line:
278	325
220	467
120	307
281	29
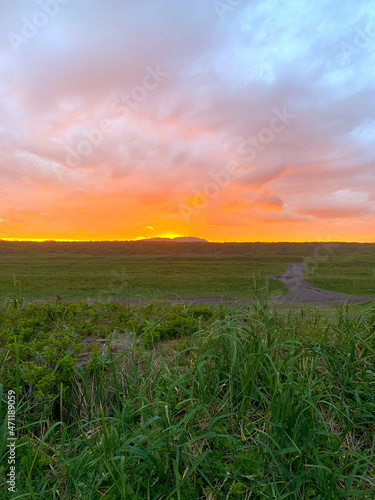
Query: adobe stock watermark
249	150
11	441
119	108
119	284
362	40
32	25
223	7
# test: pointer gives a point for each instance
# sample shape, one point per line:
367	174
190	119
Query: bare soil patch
301	291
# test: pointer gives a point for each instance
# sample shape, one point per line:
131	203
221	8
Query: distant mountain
179	239
189	239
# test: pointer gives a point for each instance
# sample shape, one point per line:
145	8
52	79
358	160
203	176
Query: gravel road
301	291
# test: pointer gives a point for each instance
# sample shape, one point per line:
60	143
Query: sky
228	120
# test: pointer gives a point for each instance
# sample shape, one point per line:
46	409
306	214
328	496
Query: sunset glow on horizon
125	120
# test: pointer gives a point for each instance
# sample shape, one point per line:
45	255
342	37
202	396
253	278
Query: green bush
178	323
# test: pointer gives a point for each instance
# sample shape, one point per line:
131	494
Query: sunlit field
106	271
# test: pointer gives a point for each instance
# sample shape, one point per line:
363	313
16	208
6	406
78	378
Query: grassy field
96	277
178	402
174	402
353	273
105	271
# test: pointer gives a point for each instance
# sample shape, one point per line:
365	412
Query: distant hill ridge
180	239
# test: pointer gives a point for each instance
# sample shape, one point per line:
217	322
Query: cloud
340	204
226	76
269	201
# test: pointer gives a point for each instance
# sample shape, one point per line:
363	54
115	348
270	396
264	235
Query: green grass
352	274
115	270
97	277
174	402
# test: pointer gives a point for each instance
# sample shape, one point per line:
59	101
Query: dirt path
301	291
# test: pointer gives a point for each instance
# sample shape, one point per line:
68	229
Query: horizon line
171	240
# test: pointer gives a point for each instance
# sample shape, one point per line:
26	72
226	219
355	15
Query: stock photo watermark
11	441
119	108
248	149
32	25
363	39
223	7
118	284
